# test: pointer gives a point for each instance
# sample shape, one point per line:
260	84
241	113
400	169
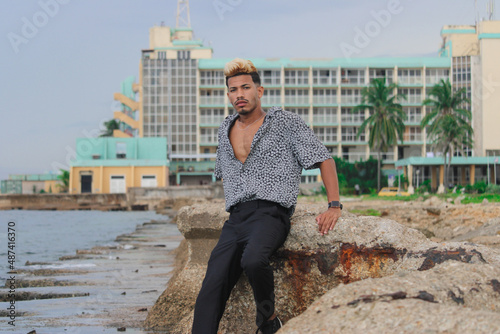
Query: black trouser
254	231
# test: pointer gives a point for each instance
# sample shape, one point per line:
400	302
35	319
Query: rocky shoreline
370	275
103	289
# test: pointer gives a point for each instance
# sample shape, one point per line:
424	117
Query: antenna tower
183	20
491	9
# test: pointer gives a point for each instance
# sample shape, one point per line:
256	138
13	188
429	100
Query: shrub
480	187
493	189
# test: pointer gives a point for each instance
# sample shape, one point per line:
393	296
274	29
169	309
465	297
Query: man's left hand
327	220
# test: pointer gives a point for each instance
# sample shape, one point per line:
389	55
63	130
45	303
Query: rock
433	201
452	297
433	211
485	201
459	199
306	267
449	200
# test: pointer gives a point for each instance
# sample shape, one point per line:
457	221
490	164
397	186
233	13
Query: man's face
244	94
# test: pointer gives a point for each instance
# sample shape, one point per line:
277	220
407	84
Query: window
121	150
212	78
302	112
211	116
296	77
435	75
271	97
413	95
162	55
325	115
270	77
349	133
414	114
326	135
324	96
350	96
387	74
409	76
296	96
183	55
353	77
324	77
148	181
347	116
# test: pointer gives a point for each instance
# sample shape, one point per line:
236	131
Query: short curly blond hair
240	66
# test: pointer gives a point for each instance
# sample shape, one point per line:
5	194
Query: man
260	160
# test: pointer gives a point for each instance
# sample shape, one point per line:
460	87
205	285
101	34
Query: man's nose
239	93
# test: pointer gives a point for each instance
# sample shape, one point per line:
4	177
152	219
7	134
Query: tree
64	178
386	120
110	125
448	122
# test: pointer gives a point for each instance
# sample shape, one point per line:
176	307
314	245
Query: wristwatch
335	204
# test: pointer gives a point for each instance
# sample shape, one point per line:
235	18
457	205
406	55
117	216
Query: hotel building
181	95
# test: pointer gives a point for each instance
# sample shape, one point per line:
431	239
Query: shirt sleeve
218	159
218	169
307	148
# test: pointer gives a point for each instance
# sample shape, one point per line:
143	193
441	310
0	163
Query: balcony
352	119
413	138
271	100
431	81
412	99
350	100
208	140
353	157
387	157
212	100
325	119
414	119
332	99
412	80
297	100
351	139
211	120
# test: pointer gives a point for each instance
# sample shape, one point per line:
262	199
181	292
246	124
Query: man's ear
260	91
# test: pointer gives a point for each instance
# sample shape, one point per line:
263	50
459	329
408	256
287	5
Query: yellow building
112	165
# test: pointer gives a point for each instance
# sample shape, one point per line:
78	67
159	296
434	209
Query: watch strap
335	204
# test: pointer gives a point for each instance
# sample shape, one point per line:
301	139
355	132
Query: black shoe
270	326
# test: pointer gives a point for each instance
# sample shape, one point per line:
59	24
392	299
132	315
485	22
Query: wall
63	202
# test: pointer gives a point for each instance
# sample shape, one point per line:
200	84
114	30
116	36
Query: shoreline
113	286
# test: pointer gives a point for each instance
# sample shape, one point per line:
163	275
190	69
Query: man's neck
251	117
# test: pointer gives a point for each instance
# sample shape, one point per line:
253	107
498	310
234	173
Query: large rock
306	267
452	297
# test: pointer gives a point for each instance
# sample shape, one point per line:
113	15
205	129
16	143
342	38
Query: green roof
274	63
435	161
104	151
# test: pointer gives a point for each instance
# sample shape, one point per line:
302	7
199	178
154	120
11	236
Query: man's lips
241	103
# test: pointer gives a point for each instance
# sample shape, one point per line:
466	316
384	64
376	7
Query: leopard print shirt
280	149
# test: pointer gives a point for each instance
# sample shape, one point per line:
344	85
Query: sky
61	61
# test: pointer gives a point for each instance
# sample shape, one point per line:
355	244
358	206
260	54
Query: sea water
45	236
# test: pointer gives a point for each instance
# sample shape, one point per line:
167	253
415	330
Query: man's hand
327	220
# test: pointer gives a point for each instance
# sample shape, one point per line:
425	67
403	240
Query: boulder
452	297
307	266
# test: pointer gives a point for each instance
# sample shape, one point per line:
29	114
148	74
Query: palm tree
64	178
448	122
386	121
110	126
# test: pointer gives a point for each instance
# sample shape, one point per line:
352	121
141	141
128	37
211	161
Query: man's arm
328	219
